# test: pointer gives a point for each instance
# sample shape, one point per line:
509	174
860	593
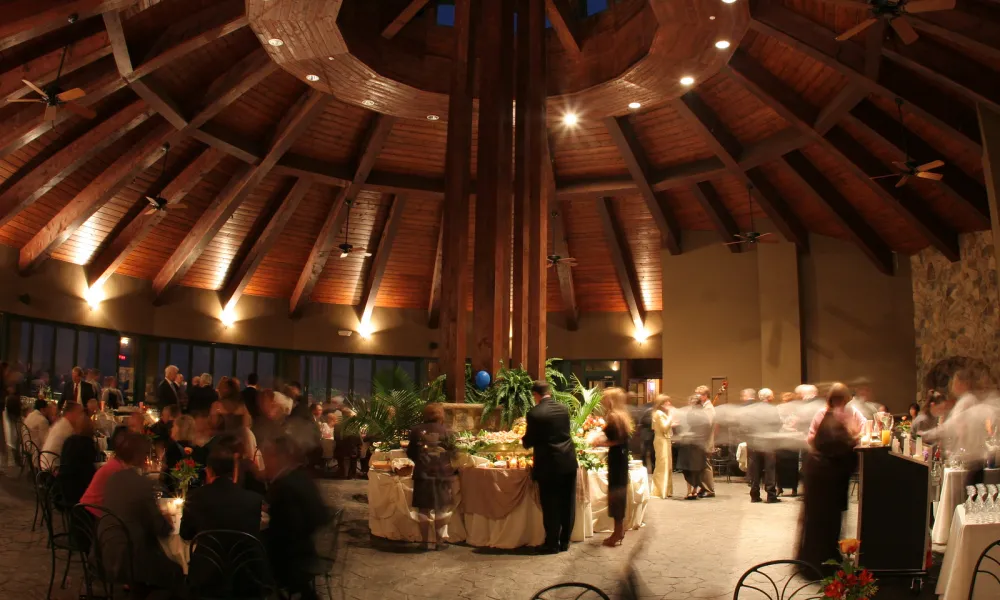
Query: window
223	365
362	377
596	6
410	368
24	347
201	360
384	366
65	340
41	353
446	15
317	378
179	357
244	364
340	374
265	369
107	359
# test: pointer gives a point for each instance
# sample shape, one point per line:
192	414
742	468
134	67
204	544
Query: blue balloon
482	380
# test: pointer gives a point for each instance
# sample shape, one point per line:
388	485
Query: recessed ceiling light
368	102
433	117
634	105
722	44
312	77
712	18
729	1
275	42
570	119
329	58
687	80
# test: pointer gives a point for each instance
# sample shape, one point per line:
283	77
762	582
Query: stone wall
955	317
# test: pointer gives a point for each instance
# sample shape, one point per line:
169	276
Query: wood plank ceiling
805	119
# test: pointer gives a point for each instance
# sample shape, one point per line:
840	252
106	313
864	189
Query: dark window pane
86	349
65	338
384	366
223	365
180	358
201	360
446	15
41	355
161	362
244	365
317	378
303	369
340	374
126	367
25	346
362	377
265	369
596	6
410	368
107	356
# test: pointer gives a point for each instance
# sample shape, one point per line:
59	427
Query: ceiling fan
158	202
556	259
894	11
753	236
909	167
54	97
347	248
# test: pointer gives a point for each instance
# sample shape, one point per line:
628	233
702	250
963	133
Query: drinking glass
991	504
981	501
970	503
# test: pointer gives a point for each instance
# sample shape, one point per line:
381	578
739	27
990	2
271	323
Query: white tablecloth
968	540
381	456
952	495
391	516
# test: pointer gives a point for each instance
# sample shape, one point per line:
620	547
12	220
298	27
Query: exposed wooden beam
844	100
119	45
565	24
380	259
378	133
241	276
38	181
968	26
117	249
434	304
563	271
404	17
638	167
726	147
874	42
298	119
959	186
718	214
847	217
231	85
852	155
111	181
42	70
520	232
227	141
537	190
24	20
621	258
159	100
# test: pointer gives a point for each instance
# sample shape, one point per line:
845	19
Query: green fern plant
434	390
511	393
394	407
558	385
472	393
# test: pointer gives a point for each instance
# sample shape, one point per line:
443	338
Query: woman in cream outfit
663	422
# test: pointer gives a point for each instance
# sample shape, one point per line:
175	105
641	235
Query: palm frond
434	391
394	407
558	385
591	402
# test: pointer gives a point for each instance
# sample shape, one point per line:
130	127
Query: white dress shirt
38	427
852	418
58	434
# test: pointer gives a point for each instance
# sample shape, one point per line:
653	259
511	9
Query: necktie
76	391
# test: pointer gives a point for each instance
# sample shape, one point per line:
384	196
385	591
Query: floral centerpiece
850	582
905	425
185	472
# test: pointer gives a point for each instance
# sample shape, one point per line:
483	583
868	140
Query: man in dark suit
554	468
297	512
167	392
250	395
201	398
644	424
77	390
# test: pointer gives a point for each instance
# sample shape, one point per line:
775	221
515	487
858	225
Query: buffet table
967	542
952	494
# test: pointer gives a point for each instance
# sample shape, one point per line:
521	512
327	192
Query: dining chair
229	564
105	549
780	580
571	591
55	515
327	559
987	568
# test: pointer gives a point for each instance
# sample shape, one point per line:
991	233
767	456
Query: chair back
48	461
229	564
55	513
986	577
31	455
570	591
106	547
780	580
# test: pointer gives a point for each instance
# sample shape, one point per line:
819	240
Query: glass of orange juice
886	437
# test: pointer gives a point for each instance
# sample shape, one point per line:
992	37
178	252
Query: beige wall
762	316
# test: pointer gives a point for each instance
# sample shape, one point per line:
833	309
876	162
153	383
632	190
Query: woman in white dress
663	423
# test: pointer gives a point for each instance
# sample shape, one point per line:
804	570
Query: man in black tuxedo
167	392
201	397
249	394
555	467
77	390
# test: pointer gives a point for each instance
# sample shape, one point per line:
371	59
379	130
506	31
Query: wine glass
981	501
991	507
970	502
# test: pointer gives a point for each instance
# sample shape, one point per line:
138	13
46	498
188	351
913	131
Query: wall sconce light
93	296
615	365
640	335
124	341
228	317
365	330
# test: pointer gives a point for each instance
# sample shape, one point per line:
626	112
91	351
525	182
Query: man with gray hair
762	421
167	392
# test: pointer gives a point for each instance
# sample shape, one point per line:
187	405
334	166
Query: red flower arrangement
185	472
850	582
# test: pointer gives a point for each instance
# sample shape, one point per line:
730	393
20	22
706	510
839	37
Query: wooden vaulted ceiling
266	165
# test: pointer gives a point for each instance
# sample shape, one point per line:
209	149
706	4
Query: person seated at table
60	432
347	449
135	422
128	446
297	512
177	448
111	396
76	461
39	420
130	496
162	428
431	448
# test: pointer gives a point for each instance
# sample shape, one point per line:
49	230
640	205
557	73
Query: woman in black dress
691	456
828	468
431	448
617	431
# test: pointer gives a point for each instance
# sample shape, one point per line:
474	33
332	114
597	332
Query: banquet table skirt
952	494
391	514
636	499
967	542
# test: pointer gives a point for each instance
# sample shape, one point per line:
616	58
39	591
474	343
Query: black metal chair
720	460
56	515
106	550
48	461
229	564
787	579
988	565
570	591
327	559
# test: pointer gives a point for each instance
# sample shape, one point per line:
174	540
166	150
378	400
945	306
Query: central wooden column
491	276
455	242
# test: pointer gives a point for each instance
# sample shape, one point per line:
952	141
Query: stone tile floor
687	550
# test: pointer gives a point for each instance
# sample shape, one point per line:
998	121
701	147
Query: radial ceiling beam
380	260
434	303
24	20
566	25
968	26
158	99
848	58
231	85
564	272
323	246
867	240
726	147
852	155
404	17
638	167
119	45
621	259
852	93
718	214
37	182
240	278
118	248
42	70
102	189
296	122
959	186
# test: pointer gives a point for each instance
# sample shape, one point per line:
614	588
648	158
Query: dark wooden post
519	318
538	214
